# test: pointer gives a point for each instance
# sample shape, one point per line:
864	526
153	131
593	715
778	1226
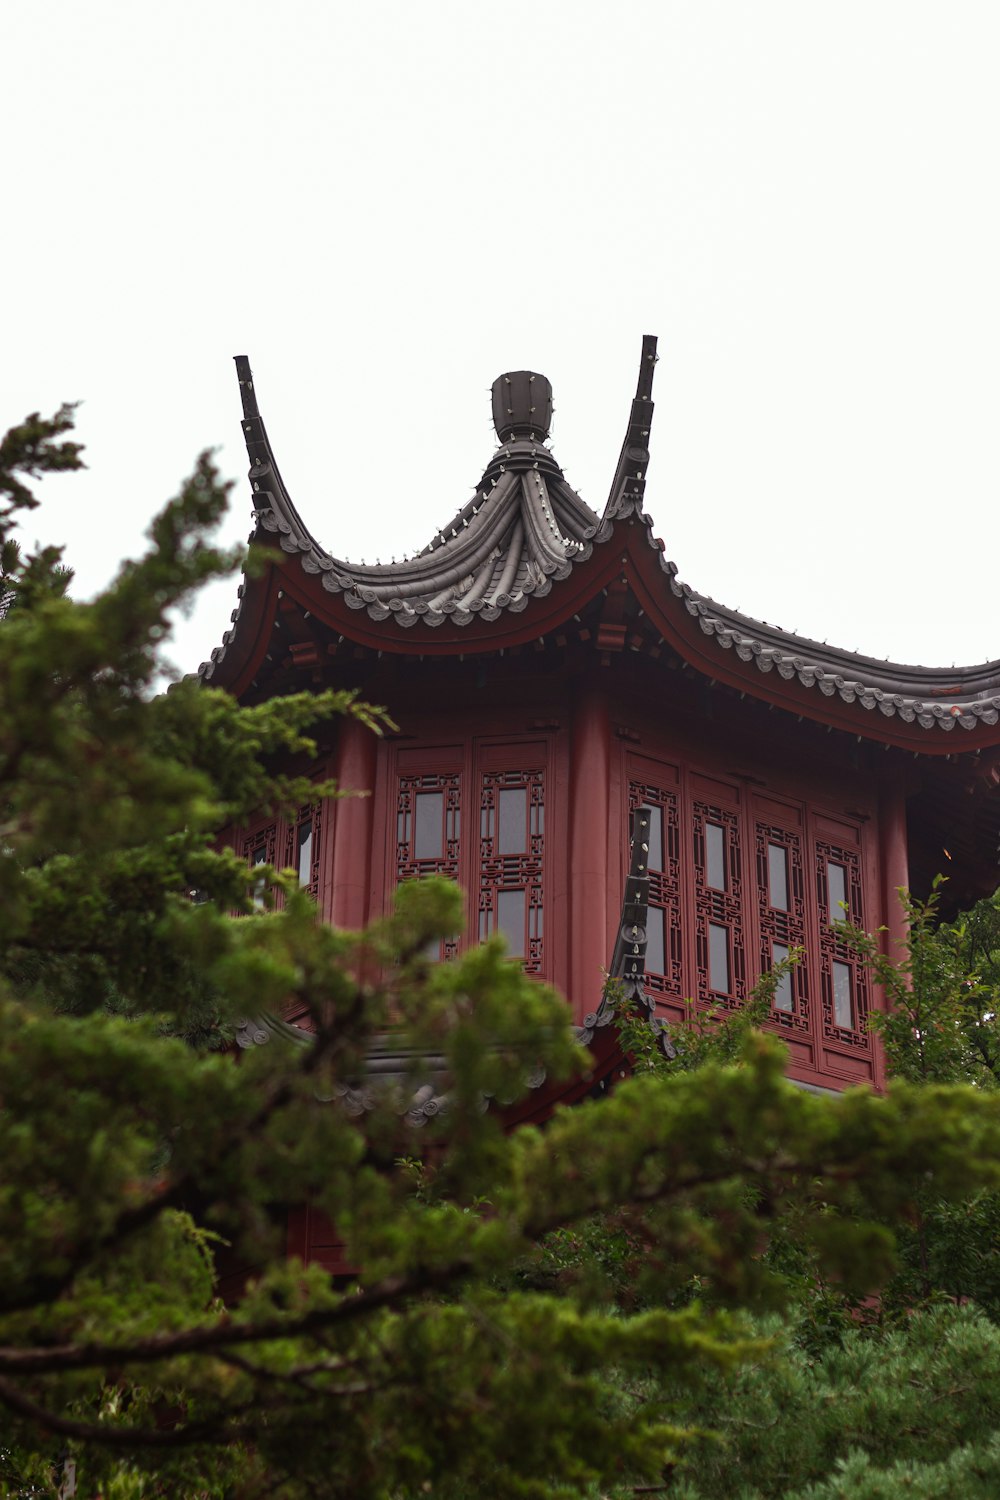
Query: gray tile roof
525	529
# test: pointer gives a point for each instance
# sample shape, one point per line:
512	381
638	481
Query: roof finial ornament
522	406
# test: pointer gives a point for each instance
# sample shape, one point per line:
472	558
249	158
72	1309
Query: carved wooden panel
511	862
429	830
844	984
664	952
260	849
781	919
720	945
302	854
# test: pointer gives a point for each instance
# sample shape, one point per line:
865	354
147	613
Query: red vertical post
590	772
895	869
894	860
353	827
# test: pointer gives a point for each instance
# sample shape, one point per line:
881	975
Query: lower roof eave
870	717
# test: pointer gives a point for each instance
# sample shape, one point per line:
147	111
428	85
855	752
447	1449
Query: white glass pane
537	819
510	920
259	857
512	829
428	832
718	957
836	885
655	948
305	851
783	990
843	1002
654	836
777	876
715	856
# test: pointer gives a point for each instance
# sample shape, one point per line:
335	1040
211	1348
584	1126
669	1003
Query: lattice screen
664	950
720	947
429	830
511	861
844	983
781	916
305	837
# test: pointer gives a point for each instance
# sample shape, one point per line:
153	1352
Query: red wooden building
549	673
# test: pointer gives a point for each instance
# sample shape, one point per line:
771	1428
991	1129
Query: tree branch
214	1336
209	1430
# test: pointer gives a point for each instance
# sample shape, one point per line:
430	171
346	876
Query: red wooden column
353	827
895	864
590	771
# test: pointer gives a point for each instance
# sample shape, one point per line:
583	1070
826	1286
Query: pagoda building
553	682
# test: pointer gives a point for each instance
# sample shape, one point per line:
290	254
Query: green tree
886	1398
914	1411
131	1146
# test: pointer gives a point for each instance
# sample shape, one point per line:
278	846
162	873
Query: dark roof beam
465	558
260	453
569	512
546	543
630	476
501	593
476	592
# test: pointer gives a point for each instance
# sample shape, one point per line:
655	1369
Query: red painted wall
585	748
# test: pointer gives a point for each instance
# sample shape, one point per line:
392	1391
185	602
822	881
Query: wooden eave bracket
612	623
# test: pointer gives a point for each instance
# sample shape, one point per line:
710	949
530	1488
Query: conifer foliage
134	1148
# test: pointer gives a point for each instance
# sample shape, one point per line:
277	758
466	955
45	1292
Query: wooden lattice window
844	982
303	852
781	917
664	951
720	946
429	831
511	862
259	849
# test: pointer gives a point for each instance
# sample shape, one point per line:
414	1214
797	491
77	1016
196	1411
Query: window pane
718	956
259	857
783	990
655	948
512	832
777	876
836	885
654	836
715	856
843	1002
305	852
510	920
428	833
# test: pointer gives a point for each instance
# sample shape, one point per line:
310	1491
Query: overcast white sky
387	205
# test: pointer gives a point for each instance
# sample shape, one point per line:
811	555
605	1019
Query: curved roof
525	532
931	697
523	529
